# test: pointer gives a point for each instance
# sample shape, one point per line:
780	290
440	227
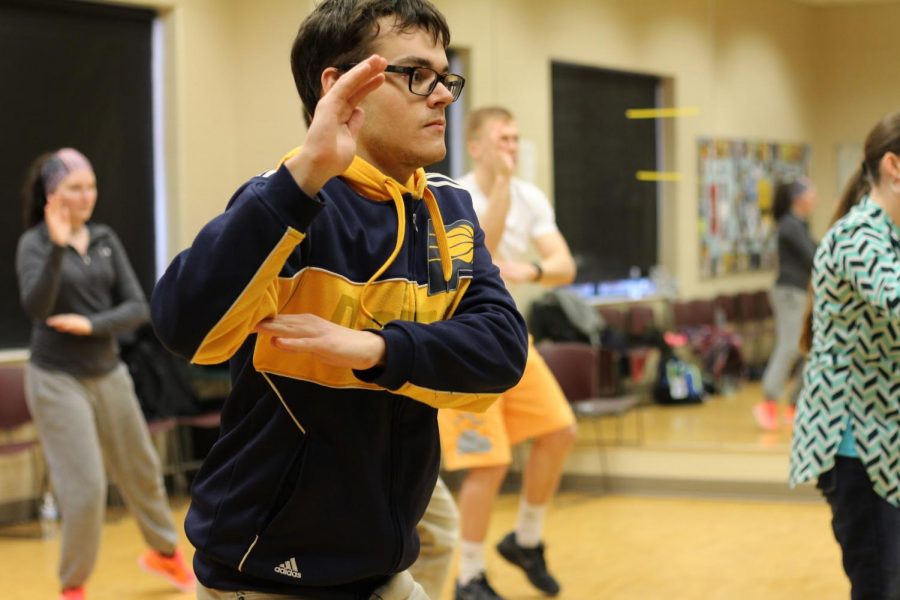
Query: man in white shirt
514	214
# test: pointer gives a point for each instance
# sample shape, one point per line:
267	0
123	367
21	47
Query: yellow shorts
534	407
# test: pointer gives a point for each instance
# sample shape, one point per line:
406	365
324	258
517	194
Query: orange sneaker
171	568
766	415
72	594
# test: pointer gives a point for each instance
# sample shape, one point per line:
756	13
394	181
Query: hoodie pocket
328	524
291	479
291	475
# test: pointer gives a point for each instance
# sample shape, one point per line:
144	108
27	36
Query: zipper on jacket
411	236
412	272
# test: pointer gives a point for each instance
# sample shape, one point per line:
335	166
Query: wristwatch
540	271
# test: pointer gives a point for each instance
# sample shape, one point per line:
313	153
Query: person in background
80	291
794	203
514	215
352	296
847	429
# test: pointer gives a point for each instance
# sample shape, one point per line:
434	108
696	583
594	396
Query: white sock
530	524
471	561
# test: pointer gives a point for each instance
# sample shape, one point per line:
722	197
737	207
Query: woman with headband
847	429
794	203
78	288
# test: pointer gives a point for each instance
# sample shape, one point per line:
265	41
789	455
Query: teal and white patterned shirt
853	367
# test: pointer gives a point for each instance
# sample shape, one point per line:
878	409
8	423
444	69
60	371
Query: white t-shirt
530	215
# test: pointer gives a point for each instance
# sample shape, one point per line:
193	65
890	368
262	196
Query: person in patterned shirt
847	429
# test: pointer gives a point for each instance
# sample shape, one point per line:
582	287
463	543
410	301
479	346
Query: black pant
867	528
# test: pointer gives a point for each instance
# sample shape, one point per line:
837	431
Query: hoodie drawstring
368	181
394	190
440	232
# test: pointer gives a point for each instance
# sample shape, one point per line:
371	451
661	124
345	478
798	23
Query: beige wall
748	77
201	116
769	69
859	82
271	116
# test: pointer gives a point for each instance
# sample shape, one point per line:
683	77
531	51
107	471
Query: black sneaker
476	589
530	560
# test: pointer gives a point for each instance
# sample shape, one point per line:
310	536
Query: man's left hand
331	343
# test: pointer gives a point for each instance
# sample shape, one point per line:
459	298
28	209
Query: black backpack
678	381
162	381
563	316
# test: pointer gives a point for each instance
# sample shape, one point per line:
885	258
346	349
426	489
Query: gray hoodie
100	286
796	249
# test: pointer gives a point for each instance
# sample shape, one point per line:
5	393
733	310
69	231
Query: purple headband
60	164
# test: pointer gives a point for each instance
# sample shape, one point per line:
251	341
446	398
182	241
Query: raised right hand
330	143
56	216
503	163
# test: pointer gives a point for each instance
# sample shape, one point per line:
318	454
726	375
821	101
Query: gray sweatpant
84	424
789	306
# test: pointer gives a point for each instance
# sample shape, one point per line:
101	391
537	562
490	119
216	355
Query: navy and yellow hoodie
320	474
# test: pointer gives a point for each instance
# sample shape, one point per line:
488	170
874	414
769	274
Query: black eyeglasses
423	80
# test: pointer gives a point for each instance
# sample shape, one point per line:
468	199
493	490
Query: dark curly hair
342	31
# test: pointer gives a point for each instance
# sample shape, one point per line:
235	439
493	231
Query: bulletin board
737	180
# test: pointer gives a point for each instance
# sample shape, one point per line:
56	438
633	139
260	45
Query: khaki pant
439	534
400	587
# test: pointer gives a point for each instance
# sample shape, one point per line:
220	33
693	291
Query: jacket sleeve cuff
399	360
289	203
99	325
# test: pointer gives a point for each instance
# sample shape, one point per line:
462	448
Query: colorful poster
737	180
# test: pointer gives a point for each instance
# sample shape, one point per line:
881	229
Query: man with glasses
353	297
514	215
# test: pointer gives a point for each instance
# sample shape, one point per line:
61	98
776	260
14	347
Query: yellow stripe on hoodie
337	299
259	300
332	296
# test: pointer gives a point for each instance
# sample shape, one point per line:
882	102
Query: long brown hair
785	194
883	138
34	198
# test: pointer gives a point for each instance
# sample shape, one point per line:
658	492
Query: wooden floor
722	422
648	548
600	547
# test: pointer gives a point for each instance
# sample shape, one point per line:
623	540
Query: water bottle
48	513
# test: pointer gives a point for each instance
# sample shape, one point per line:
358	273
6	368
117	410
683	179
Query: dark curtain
608	217
76	74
